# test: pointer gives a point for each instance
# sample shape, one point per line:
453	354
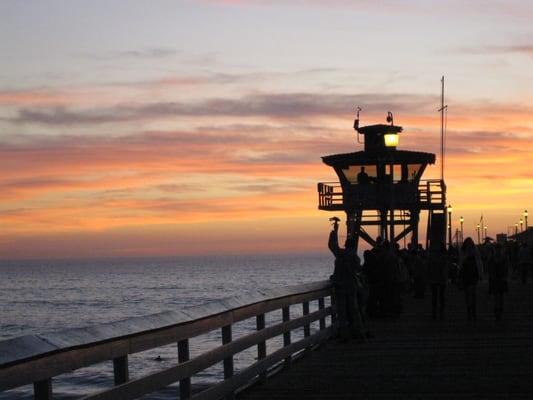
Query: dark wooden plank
305	311
334	314
321	305
42	390
261	346
120	370
228	361
22	348
286	315
183	356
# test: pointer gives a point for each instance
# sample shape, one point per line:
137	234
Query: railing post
228	362
183	355
120	370
307	327
333	309
321	306
42	390
287	335
261	346
305	311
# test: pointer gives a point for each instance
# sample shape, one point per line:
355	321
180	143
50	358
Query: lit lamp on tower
391	140
525	217
391	136
450	209
461	220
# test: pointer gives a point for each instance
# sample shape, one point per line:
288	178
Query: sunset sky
190	127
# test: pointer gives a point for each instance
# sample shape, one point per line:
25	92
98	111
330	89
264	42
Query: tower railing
430	194
330	195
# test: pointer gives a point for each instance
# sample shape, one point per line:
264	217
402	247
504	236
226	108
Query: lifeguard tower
381	186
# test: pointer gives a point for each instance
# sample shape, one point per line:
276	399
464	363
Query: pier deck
414	357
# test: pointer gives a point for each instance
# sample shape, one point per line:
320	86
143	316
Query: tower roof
369	158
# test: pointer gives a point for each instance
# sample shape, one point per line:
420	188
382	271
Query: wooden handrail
37	358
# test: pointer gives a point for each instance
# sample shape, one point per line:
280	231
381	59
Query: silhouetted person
344	281
419	271
524	261
362	177
470	275
438	277
498	271
487	255
388	263
372	276
512	253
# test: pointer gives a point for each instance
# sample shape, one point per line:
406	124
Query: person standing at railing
362	177
344	280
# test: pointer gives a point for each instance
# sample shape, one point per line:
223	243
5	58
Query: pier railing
36	359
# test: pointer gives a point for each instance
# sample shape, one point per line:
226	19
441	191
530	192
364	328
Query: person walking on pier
344	280
438	278
524	261
419	271
498	271
470	266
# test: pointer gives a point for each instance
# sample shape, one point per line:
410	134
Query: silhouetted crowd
375	287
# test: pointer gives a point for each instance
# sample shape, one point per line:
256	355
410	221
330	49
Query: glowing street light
516	228
461	220
485	227
525	217
521	224
478	238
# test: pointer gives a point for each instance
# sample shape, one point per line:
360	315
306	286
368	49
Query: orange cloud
265	168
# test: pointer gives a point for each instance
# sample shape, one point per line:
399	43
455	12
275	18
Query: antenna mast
442	109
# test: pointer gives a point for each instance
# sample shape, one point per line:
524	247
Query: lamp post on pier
525	217
450	209
516	228
521	225
485	228
478	239
461	220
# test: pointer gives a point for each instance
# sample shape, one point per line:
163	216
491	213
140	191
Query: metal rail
38	358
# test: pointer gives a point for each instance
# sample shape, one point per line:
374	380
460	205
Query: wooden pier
414	357
410	356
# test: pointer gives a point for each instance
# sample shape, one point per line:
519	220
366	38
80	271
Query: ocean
40	296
